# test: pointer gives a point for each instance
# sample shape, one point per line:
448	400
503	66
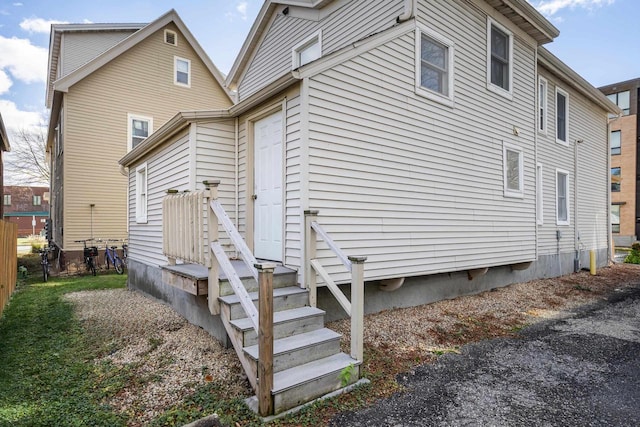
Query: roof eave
4	139
573	79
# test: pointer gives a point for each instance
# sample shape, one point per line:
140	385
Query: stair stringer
237	342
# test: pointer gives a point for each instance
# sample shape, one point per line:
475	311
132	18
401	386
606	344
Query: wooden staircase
307	361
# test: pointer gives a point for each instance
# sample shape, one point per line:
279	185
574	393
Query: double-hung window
139	128
542	105
615	139
615	218
7	199
37	200
622	100
562	117
513	171
500	58
434	66
307	51
539	195
616	179
181	72
141	193
562	197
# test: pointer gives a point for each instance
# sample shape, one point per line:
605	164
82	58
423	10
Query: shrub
634	255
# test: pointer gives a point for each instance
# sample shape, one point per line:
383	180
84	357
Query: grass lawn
46	374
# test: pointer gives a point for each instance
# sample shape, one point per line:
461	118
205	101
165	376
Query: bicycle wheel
92	266
118	265
45	272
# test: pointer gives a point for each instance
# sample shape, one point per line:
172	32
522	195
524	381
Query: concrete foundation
415	290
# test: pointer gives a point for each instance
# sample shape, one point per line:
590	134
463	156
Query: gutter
573	79
410	8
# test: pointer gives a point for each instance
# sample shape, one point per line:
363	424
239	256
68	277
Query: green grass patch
47	376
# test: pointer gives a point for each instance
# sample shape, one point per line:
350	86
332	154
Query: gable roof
573	79
55	39
520	12
63	84
4	140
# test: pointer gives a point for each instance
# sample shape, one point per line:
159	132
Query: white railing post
357	307
265	337
169	224
212	236
310	243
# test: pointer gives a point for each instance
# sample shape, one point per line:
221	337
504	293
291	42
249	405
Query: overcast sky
599	39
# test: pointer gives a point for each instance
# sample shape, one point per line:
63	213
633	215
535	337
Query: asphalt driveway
582	370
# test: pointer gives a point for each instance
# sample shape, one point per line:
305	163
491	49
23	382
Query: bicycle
89	254
111	256
44	261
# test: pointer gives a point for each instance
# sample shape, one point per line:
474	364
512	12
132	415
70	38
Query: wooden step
301	384
299	349
283	299
285	324
282	277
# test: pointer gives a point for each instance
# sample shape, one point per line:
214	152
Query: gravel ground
175	357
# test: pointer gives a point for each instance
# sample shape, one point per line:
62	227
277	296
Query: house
26	206
625	200
436	138
4	146
109	87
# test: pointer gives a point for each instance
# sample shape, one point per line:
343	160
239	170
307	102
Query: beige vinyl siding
78	48
167	168
140	81
416	186
354	21
215	160
587	122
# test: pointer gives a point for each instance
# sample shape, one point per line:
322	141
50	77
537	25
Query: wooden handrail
355	265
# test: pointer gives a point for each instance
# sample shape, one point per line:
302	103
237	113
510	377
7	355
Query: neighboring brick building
625	152
23	205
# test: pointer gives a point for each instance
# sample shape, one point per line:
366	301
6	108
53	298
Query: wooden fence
8	261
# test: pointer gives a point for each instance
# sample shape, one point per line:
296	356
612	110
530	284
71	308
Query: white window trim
130	118
141	211
295	52
542	127
507	191
423	91
175	71
539	194
558	221
566	97
175	37
493	88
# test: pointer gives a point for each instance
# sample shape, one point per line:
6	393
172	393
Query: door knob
254	197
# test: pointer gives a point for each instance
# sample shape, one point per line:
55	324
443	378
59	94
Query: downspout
576	232
237	179
536	128
410	7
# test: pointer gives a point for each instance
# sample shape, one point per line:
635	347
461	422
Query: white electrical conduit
409	11
388	285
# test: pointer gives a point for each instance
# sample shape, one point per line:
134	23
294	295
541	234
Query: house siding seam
354	21
215	155
139	81
404	180
588	123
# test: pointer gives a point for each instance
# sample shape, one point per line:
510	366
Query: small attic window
307	51
170	37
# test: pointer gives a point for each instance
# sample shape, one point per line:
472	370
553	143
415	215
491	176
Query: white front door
268	179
